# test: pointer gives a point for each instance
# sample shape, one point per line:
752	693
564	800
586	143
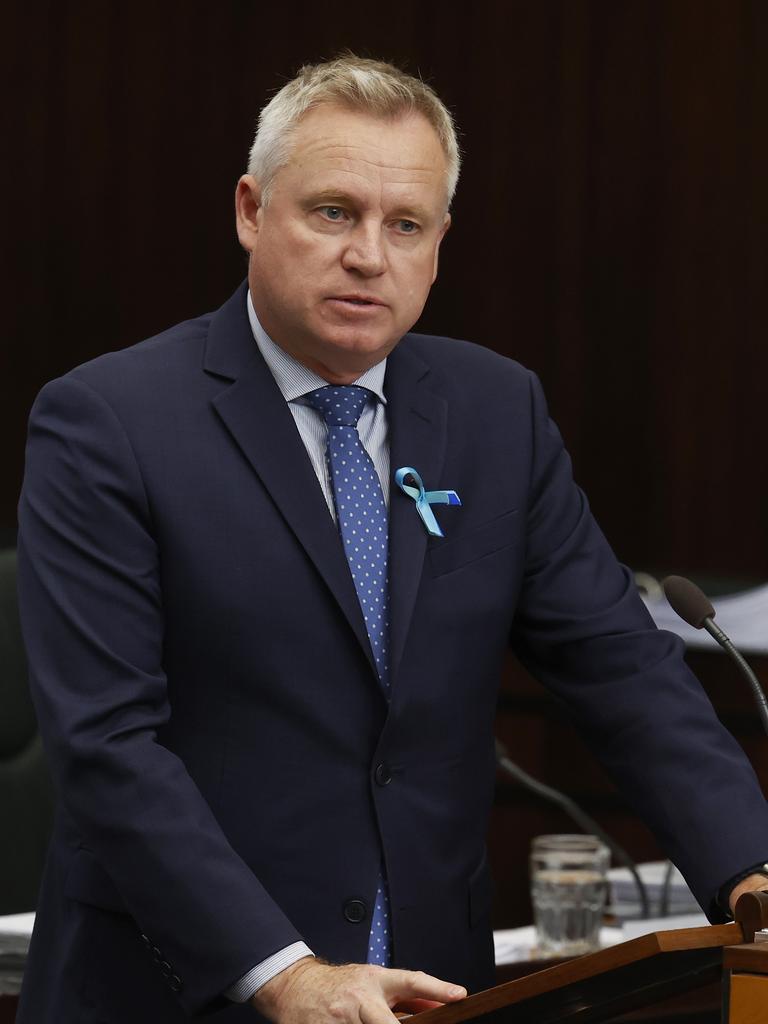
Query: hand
313	992
752	883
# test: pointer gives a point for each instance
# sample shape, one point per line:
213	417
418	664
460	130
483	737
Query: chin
355	343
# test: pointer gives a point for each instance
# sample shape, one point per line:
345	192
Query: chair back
26	793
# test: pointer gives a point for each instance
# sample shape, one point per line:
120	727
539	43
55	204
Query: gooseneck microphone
695	608
582	819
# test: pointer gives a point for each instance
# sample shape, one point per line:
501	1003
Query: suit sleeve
92	616
583	630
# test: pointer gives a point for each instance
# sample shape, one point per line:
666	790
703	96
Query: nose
364	252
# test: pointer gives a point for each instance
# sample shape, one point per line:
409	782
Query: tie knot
340	406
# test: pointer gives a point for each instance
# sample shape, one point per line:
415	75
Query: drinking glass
569	886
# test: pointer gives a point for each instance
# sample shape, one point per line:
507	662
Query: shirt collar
293	378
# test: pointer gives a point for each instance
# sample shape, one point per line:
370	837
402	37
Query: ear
248	210
440	237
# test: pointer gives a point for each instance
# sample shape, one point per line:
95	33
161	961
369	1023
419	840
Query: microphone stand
727	644
666	888
582	819
694	607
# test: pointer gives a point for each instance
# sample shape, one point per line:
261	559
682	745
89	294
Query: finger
398	985
416	1005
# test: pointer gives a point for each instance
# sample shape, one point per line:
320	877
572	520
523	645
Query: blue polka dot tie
362	517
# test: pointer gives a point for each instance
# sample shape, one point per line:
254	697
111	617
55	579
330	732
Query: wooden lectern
604	986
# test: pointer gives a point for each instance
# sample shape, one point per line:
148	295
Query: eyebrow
329	196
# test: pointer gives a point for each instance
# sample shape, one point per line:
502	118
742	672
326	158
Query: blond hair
371	86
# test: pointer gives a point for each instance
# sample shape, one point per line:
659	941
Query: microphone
695	608
582	819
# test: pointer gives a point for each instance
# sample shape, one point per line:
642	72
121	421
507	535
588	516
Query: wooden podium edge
551	979
751	956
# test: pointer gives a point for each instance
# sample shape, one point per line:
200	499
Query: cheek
416	280
295	267
312	259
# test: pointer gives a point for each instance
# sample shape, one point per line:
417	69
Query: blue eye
332	212
408	227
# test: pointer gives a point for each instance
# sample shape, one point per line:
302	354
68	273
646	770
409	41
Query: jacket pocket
447	555
88	882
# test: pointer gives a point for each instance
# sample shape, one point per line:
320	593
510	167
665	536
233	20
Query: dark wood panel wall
609	231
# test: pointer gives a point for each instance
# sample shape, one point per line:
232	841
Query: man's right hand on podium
313	992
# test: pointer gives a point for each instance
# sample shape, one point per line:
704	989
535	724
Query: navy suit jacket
206	691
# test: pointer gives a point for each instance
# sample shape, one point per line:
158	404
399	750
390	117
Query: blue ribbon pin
424	498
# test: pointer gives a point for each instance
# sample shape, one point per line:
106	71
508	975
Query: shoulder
154	379
175	369
127	395
172	353
467	365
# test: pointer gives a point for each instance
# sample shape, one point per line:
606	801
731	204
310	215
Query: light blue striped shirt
295	380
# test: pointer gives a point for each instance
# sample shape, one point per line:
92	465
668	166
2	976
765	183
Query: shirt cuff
241	991
723	898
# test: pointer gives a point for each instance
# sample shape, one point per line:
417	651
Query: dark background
609	231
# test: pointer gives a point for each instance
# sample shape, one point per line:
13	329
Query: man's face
345	252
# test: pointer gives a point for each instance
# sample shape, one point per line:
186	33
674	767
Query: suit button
355	911
383	774
175	982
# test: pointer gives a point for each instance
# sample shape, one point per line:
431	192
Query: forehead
334	142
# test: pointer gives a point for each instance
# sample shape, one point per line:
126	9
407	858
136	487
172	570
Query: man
265	665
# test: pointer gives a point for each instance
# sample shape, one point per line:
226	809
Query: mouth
357	300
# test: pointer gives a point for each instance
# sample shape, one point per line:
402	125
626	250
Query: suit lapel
418	425
257	416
